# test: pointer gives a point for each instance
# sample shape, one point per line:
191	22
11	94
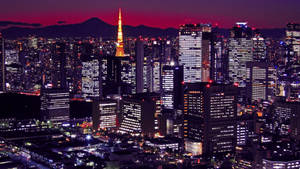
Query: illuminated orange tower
120	43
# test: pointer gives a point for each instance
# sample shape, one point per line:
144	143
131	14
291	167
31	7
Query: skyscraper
55	105
262	81
54	66
74	68
210	116
128	75
190	52
219	61
195	47
140	66
293	39
240	52
207	50
120	42
91	80
140	114
287	116
13	70
259	48
91	72
172	77
104	114
155	76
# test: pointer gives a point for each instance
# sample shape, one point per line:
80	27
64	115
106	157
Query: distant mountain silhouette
10	23
95	27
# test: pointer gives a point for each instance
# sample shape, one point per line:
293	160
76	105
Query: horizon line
80	22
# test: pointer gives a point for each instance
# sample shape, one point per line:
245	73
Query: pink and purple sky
157	13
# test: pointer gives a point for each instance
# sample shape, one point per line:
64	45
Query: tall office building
244	129
190	52
262	81
144	65
259	48
54	66
245	125
162	51
104	114
287	116
128	75
172	78
140	66
219	61
55	105
161	55
140	114
104	69
74	68
59	66
195	48
240	52
31	74
121	74
155	77
207	52
210	116
293	40
13	71
91	73
91	81
132	117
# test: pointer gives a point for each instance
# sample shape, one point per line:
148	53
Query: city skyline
103	94
265	14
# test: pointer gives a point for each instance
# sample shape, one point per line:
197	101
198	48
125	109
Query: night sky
158	13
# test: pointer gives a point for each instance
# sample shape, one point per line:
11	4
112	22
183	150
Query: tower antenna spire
120	43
